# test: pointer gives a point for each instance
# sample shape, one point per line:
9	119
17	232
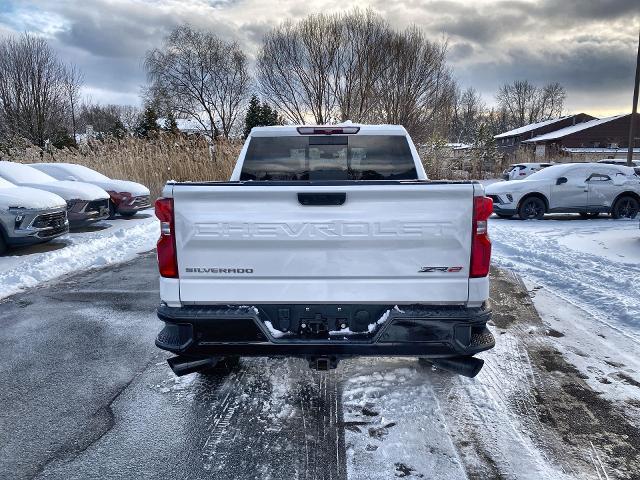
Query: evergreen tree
118	129
170	124
260	115
62	139
268	115
148	123
253	115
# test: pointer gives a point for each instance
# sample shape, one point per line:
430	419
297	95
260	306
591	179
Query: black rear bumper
436	332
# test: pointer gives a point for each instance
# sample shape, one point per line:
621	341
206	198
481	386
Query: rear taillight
167	260
480	243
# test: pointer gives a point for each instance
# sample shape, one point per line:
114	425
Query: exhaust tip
186	365
465	366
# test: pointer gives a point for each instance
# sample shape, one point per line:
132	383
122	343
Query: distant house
605	137
508	142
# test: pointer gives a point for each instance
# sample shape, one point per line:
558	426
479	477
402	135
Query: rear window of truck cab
329	157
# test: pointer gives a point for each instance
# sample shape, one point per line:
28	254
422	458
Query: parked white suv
127	198
520	171
328	242
85	203
585	188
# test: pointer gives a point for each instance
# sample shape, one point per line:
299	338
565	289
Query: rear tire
586	215
625	207
532	208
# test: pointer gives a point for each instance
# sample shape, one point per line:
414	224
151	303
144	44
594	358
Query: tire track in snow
270	419
604	288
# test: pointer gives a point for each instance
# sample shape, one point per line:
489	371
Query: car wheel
127	214
502	215
626	207
112	210
586	215
532	208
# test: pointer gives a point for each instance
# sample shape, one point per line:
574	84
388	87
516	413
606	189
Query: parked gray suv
29	216
585	188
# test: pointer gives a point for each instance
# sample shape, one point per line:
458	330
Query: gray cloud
588	45
460	51
591	72
578	10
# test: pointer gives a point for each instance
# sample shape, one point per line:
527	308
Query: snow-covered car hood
135	189
511	186
71	190
25	197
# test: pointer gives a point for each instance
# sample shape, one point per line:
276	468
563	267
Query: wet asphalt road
86	394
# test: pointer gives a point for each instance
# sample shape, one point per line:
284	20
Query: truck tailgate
257	243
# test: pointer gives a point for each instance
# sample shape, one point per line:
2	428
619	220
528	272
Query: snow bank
119	242
615	244
606	357
593	264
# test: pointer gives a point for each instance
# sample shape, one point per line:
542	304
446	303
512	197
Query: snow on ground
592	264
100	244
584	279
405	420
607	358
378	445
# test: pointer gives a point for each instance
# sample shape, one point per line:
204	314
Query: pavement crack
99	424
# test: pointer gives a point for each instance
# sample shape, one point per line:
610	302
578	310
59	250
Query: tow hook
323	363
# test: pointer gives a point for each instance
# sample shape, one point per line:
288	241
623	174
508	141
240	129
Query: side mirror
561	180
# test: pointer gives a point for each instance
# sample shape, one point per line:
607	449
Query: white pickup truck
327	242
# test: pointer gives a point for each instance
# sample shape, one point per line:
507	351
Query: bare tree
354	66
359	64
296	68
526	103
129	115
201	77
72	83
232	80
469	113
416	84
105	119
34	98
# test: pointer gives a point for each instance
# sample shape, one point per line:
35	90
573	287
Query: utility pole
632	123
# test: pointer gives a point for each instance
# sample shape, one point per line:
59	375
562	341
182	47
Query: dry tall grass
153	162
150	162
446	164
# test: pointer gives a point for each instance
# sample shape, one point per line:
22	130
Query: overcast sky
587	45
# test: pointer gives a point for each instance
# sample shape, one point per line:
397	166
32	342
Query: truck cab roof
347	127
